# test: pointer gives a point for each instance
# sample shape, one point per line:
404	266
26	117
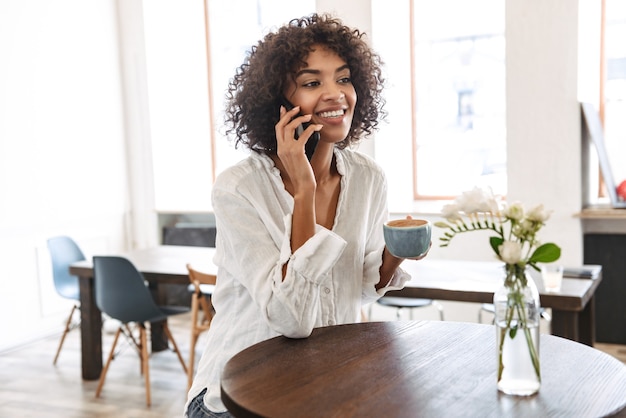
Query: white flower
477	201
538	213
514	229
451	212
514	211
524	229
510	252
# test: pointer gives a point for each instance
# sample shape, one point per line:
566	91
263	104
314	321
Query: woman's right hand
291	151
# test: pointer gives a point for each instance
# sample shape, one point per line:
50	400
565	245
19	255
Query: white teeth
333	114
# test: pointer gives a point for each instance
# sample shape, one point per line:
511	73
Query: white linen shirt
328	279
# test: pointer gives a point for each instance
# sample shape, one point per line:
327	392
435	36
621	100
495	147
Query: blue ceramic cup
407	238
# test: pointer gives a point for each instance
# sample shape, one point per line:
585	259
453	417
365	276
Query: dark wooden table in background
409	369
573	307
164	264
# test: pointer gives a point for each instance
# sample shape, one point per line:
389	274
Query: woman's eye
345	80
311	84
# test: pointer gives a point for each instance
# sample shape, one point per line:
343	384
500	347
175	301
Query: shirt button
326	290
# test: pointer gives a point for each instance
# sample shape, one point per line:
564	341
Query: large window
186	90
459	97
614	99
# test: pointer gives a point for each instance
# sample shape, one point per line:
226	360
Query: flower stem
515	304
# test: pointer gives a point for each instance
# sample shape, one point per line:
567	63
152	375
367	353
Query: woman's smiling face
323	88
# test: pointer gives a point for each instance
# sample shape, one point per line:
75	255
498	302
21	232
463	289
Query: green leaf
545	253
495	243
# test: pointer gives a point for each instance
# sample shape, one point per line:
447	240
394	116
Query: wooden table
474	281
409	369
468	281
160	265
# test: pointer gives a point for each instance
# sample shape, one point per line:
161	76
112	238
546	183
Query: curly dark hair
254	93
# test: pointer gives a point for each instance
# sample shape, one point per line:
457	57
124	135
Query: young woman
299	243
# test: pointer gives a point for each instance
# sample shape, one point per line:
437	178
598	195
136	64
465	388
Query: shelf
602	212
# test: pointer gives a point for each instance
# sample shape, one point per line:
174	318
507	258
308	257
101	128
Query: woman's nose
334	92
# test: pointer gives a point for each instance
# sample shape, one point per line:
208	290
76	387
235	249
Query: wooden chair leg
140	347
144	360
194	338
176	350
103	374
207	309
131	336
65	332
192	358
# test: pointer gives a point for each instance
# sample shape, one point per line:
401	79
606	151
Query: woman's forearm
388	268
303	220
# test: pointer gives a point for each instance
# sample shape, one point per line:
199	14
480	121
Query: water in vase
519	376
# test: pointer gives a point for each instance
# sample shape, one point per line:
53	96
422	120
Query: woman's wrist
388	268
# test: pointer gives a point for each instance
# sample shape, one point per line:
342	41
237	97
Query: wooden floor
30	386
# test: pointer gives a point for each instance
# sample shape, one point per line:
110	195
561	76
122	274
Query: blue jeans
197	409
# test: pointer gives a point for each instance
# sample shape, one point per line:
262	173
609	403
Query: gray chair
122	294
63	252
408	303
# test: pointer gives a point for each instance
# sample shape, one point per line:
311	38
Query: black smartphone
313	140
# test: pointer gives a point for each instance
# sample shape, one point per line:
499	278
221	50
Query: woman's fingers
288	119
286	128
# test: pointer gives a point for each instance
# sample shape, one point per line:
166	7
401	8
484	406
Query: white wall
62	150
543	115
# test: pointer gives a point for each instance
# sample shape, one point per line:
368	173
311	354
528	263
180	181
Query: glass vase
517	315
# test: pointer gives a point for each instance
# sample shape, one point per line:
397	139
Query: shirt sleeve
375	244
254	246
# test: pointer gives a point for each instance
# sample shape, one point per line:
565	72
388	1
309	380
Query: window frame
417	196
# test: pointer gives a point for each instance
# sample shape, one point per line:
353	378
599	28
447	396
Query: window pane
615	87
459	79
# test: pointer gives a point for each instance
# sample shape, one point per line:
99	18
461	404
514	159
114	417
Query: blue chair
121	293
63	252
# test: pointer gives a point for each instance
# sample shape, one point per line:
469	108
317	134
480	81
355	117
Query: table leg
90	330
587	323
158	338
565	324
577	326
